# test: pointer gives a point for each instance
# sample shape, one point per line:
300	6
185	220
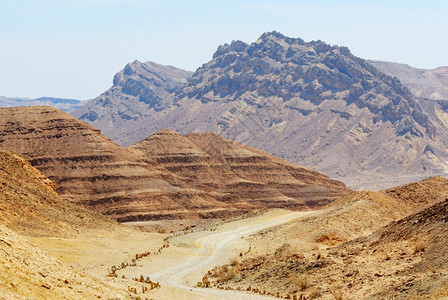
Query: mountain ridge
309	103
67	105
423	83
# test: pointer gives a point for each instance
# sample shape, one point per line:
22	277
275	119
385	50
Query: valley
363	245
279	169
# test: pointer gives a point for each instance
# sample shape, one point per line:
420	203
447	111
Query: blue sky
72	48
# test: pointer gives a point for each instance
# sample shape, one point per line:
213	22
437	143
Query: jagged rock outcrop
424	83
91	170
139	90
309	103
237	174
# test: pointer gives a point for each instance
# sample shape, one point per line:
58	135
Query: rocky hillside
332	254
31	206
237	174
27	272
424	83
67	105
91	170
309	103
138	91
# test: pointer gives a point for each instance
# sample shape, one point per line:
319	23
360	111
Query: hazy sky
72	48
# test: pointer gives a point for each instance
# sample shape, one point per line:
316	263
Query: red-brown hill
130	185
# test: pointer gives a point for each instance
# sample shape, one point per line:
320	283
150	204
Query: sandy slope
182	265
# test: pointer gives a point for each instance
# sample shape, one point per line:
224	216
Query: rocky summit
138	91
159	177
307	102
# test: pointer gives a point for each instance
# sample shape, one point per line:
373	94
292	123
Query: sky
73	48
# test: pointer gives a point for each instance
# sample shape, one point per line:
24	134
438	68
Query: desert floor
177	261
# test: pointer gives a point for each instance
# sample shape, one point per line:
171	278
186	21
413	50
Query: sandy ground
178	260
192	255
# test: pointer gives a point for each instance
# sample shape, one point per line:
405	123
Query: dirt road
192	255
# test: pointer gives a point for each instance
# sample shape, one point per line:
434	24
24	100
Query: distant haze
72	49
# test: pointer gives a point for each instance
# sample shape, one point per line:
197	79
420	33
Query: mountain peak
272	35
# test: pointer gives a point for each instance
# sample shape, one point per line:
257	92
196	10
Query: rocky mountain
67	105
140	183
138	91
424	83
307	102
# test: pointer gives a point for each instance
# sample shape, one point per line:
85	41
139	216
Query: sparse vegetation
420	247
300	281
337	294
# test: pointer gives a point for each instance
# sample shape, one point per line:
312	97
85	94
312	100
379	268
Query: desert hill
307	102
31	208
30	205
27	272
369	245
424	83
91	170
87	167
53	249
239	174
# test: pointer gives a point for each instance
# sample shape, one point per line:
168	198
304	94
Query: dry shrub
329	238
224	273
229	275
299	280
420	247
314	293
337	294
234	263
161	230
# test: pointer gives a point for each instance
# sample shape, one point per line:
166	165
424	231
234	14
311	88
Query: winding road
211	249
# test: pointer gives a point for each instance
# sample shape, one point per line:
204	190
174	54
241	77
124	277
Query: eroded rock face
309	103
167	176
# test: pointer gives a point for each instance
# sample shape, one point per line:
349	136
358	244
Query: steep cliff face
309	103
138	91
